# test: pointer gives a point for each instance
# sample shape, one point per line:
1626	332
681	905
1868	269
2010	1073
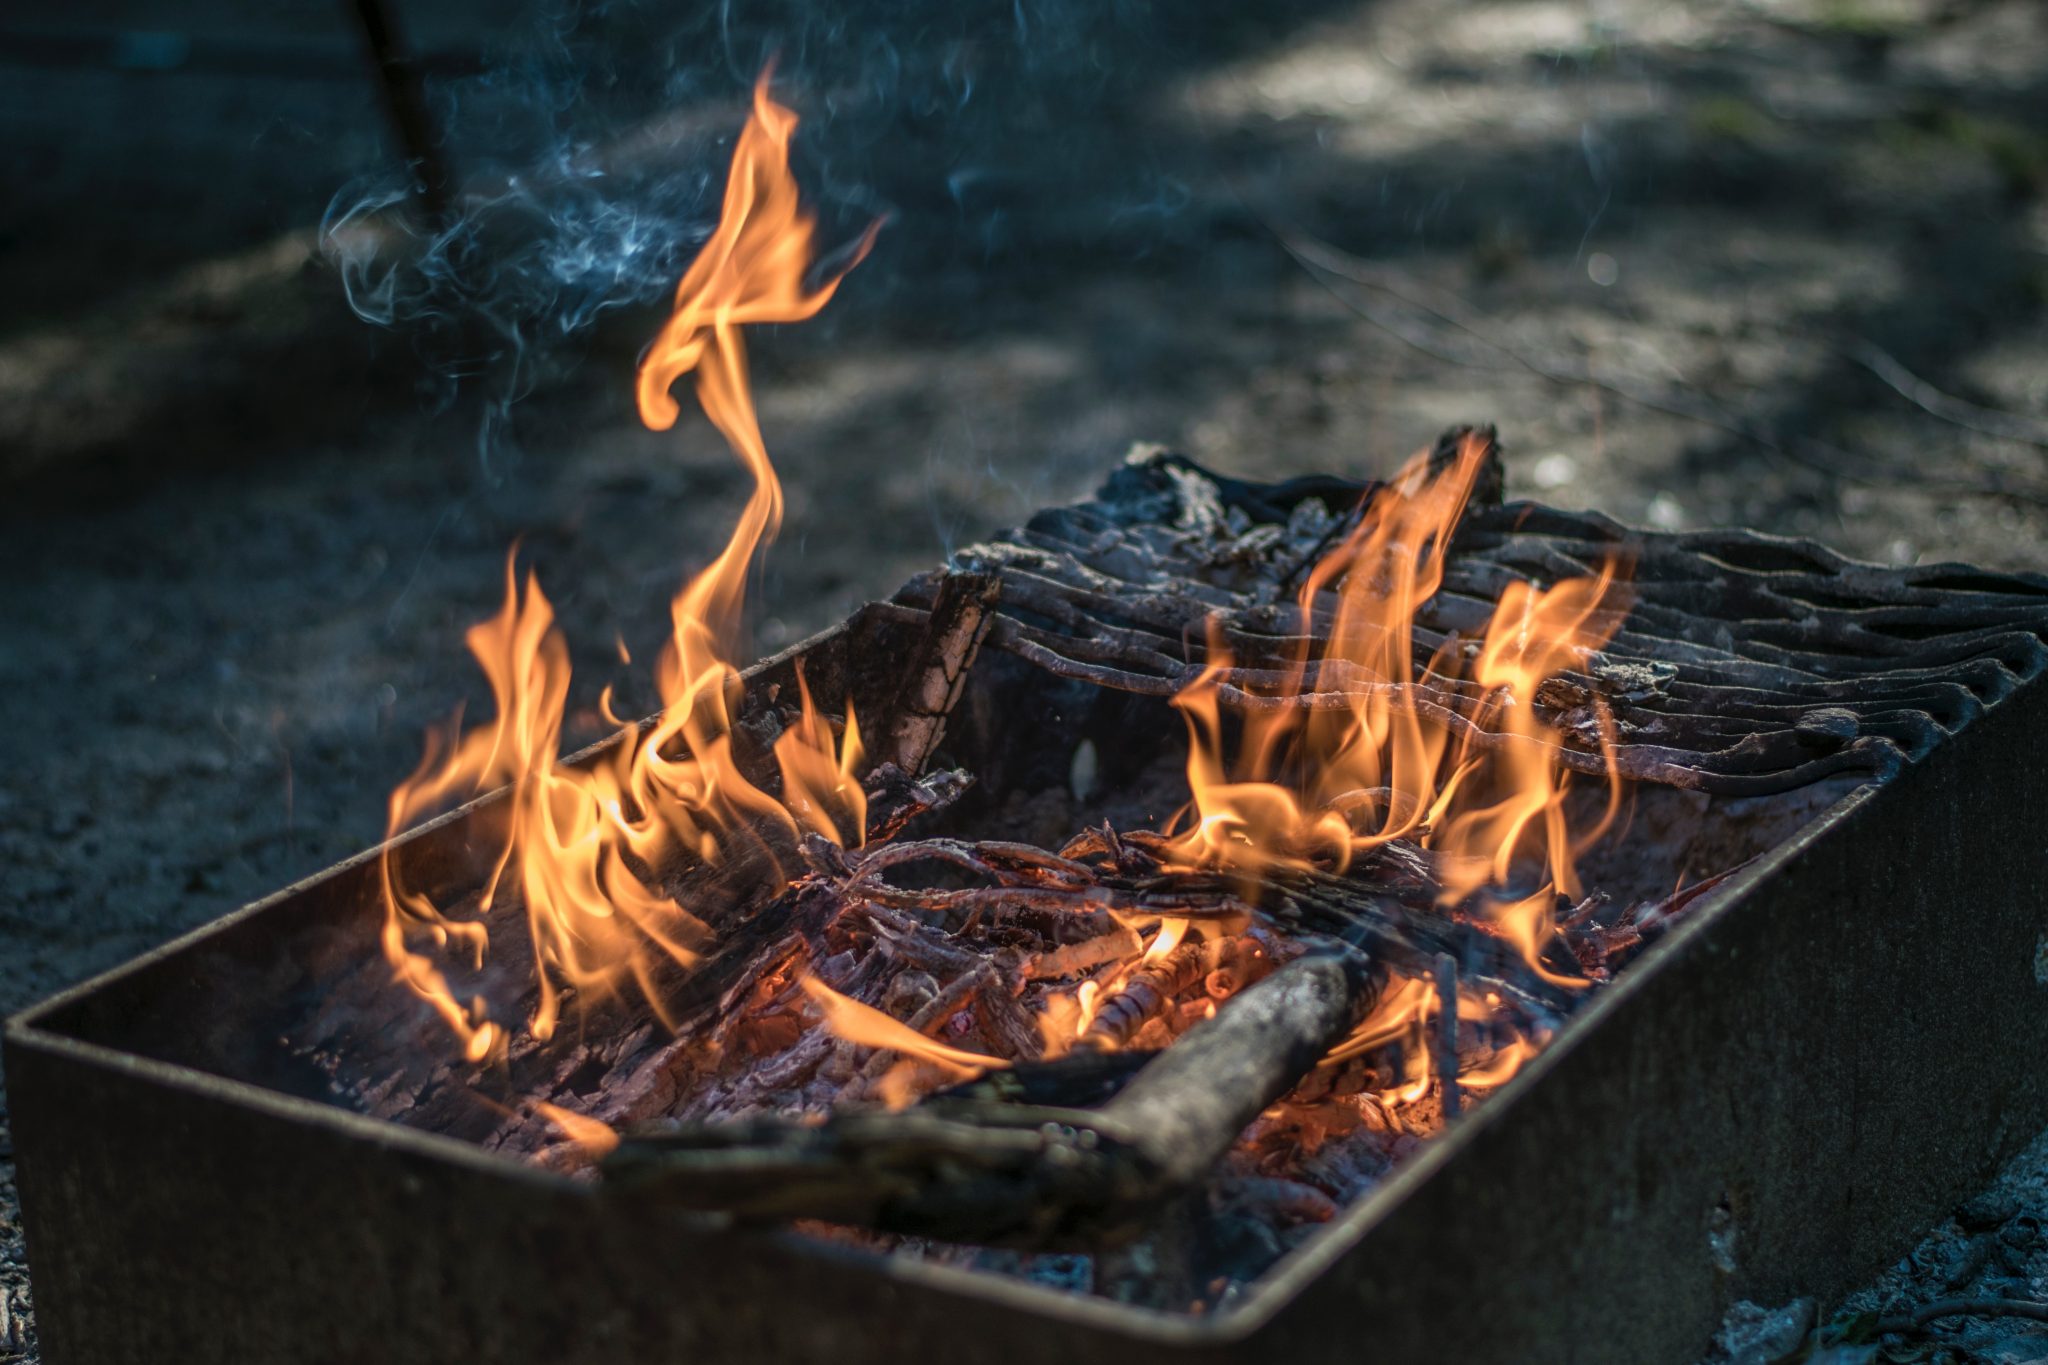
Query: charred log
1022	1175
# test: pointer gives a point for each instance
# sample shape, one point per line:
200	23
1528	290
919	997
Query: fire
864	1024
1372	768
1341	748
586	849
596	1138
1352	748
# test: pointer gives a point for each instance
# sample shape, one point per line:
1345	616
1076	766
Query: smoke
589	157
557	217
501	294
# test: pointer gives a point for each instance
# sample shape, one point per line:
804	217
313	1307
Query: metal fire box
1836	1045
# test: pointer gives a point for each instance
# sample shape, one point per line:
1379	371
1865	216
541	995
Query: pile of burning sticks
1088	1130
1216	842
1103	1064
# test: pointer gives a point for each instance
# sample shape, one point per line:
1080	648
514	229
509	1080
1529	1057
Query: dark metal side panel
1776	1105
173	1223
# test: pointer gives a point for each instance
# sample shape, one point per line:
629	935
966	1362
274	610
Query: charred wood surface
1746	664
963	607
1086	1149
1743	665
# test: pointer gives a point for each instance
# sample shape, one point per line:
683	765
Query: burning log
1087	1149
1023	1175
1145	996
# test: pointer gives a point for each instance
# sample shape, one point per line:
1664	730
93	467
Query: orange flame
854	1022
1500	1068
587	848
594	1136
1348	750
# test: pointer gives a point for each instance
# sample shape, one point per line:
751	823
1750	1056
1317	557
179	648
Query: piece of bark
961	614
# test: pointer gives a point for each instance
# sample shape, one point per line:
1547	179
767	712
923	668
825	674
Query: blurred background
267	429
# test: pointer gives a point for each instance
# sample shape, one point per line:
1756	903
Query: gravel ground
1988	1263
1780	264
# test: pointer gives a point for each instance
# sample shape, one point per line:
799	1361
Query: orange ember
585	848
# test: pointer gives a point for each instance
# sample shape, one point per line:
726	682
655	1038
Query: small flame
586	849
594	1136
1406	1003
854	1022
1533	636
1171	932
1347	751
1500	1068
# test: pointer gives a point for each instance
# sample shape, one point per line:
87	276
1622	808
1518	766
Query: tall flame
586	848
1351	748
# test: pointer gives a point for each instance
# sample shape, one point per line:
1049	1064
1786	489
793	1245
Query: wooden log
1023	1175
1145	996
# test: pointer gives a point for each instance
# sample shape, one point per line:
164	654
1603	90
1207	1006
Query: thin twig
1445	971
2005	426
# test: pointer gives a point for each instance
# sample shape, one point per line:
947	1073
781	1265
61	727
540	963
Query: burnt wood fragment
1145	996
1080	1079
961	613
1444	1049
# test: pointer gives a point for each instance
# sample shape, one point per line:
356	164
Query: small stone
2022	1233
1987	1210
1754	1335
1997	1348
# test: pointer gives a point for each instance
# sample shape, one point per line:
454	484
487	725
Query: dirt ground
1775	262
